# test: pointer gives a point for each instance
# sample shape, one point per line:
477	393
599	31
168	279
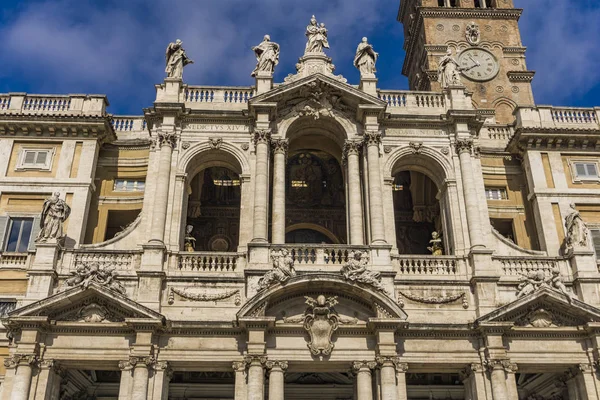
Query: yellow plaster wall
13	283
22	202
547	170
16	151
567	159
76	160
590	213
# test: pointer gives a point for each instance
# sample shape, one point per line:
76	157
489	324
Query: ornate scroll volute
272	364
166	138
351	147
21	359
262	136
357	366
321	321
464	146
372	138
280	146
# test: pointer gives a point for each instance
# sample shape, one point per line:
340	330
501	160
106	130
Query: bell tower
485	40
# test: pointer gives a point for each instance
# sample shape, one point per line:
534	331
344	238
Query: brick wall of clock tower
433	26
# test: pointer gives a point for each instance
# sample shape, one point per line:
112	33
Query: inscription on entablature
216	128
413	132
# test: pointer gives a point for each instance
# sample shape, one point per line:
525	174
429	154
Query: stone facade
276	241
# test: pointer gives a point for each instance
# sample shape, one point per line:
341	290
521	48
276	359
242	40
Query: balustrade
129	123
118	259
4	102
427	265
574	116
235	95
415	100
320	254
53	104
13	260
208	261
500	132
519	266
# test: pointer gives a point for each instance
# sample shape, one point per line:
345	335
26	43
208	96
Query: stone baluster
498	370
372	140
256	377
262	139
280	147
139	389
364	383
241	388
387	367
24	364
276	382
464	149
355	208
166	142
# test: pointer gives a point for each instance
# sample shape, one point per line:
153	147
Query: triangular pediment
544	308
94	303
321	92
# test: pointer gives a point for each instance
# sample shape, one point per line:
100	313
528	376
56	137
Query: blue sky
116	47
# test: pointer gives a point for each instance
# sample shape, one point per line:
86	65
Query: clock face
480	65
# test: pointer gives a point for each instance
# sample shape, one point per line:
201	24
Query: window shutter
3	224
35	229
596	241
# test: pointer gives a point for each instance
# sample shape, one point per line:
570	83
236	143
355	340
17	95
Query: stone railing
428	265
424	101
119	259
320	254
15	260
126	123
498	132
519	266
206	261
74	104
574	116
228	97
558	117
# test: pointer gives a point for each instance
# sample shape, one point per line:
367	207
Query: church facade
309	238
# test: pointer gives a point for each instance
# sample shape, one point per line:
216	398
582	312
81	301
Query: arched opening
416	212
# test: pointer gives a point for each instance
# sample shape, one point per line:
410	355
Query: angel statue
176	60
449	70
54	213
365	58
267	56
317	37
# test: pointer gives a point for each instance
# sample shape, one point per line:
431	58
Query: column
24	364
280	147
162	376
256	377
474	381
241	388
584	378
463	149
139	390
276	383
48	380
401	369
165	141
372	139
498	378
387	376
261	184
355	208
364	384
126	380
511	381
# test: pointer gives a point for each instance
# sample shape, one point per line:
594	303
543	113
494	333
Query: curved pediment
287	303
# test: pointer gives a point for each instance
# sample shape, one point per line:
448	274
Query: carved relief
94	313
166	138
536	280
86	274
320	100
464	145
215	143
434	299
321	321
356	270
18	359
280	146
262	136
204	297
283	269
372	138
473	34
415	147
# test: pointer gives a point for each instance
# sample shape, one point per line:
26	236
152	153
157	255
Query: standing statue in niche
437	247
267	56
365	58
54	213
317	37
577	231
190	240
449	70
176	59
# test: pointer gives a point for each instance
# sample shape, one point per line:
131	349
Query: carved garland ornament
434	299
204	297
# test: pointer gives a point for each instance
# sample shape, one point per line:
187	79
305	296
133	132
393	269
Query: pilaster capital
239	366
388	361
280	146
166	139
464	146
372	138
505	365
470	370
251	360
585	368
352	147
15	360
165	367
282	365
262	136
357	366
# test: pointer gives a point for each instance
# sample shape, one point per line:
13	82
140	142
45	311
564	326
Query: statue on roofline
176	59
267	56
317	37
365	58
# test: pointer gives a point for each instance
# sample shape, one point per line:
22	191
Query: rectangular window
496	193
129	185
19	234
586	170
35	159
504	227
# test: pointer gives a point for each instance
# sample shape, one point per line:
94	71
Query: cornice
520	76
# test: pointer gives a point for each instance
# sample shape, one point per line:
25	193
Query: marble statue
577	231
54	213
365	58
535	280
283	270
84	275
267	56
449	70
356	270
190	240
317	37
176	59
436	248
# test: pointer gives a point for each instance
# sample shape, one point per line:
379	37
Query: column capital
280	146
136	361
470	370
372	138
239	366
464	146
357	366
255	360
282	365
21	359
166	138
506	365
262	136
352	147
